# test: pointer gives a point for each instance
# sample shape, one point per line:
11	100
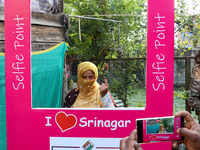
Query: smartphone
159	129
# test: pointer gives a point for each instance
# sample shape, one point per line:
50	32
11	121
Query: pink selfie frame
33	129
165	136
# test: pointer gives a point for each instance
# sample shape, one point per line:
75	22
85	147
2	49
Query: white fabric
107	102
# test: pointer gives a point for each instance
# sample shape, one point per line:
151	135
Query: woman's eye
88	78
91	77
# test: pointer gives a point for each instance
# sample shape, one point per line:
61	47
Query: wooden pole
187	81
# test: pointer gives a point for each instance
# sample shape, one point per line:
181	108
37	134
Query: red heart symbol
153	137
64	121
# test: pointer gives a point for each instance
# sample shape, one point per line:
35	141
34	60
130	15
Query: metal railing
182	73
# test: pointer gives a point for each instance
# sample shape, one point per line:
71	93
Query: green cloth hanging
47	80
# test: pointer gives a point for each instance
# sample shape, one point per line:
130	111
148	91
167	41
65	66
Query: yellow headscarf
161	131
89	92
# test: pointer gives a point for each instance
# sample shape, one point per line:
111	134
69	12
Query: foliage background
100	39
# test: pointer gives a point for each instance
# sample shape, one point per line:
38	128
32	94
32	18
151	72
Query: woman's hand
104	88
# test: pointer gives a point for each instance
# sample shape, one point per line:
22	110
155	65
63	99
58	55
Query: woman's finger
105	80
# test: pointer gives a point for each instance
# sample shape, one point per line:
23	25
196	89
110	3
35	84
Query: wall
46	29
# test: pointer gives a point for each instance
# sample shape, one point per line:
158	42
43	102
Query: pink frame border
31	128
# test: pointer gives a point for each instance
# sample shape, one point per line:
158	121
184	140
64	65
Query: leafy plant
71	84
100	39
181	94
139	103
168	124
125	80
187	27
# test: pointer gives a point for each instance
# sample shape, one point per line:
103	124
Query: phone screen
159	129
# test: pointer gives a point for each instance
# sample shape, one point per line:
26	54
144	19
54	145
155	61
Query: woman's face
88	75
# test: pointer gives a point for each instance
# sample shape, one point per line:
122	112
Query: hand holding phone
191	132
129	142
159	129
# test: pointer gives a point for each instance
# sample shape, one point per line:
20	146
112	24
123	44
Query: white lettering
107	123
158	78
121	123
100	121
82	121
161	36
18	58
16	45
157	43
18	77
48	121
16	88
159	17
159	58
126	122
89	121
156	89
18	65
158	66
112	124
20	37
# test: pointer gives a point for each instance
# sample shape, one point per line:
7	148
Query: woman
194	91
89	94
160	129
